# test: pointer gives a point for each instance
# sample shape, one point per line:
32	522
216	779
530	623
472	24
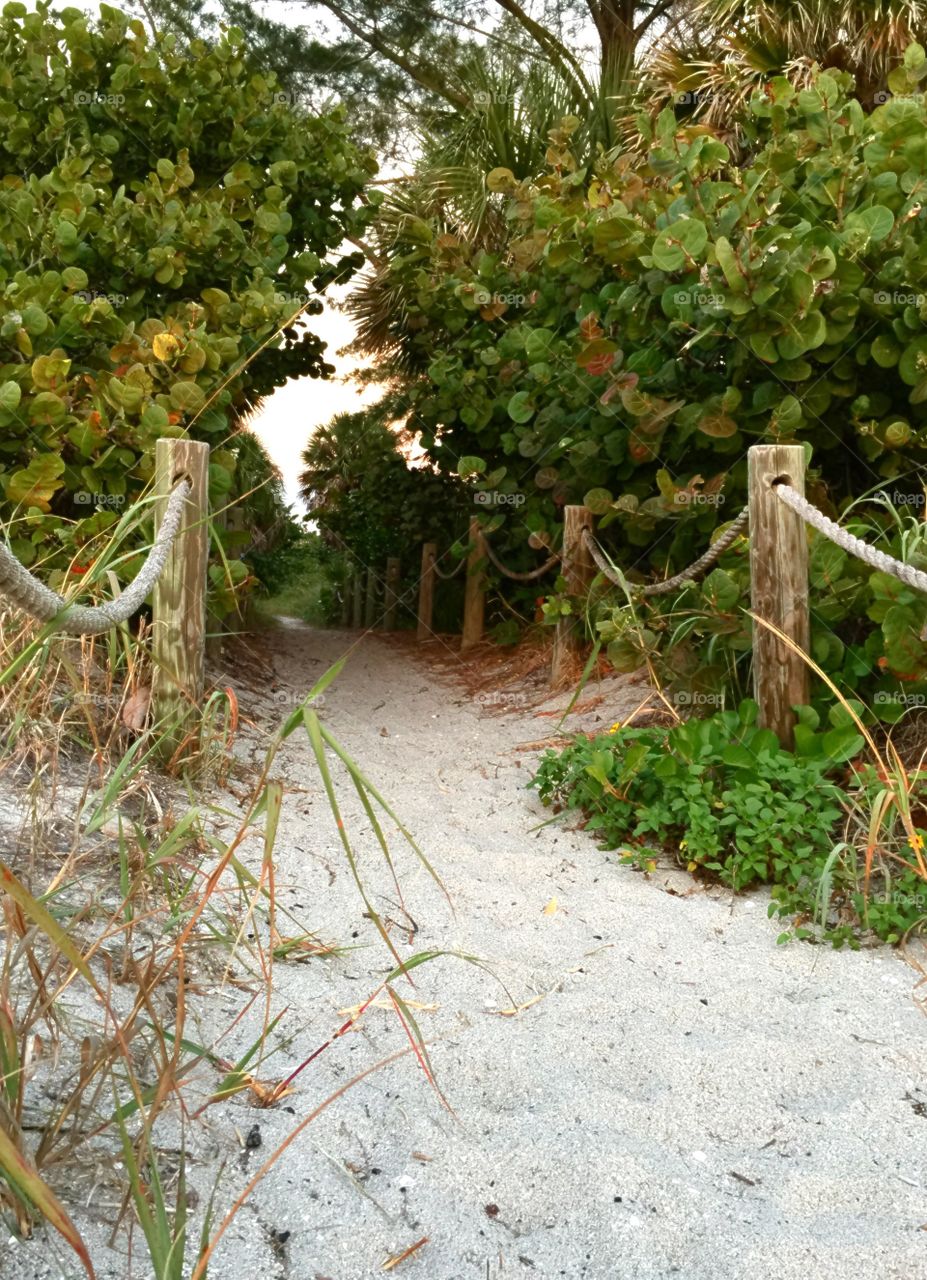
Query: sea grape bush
163	214
673	311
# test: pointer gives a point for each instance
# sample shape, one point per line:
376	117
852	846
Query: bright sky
291	415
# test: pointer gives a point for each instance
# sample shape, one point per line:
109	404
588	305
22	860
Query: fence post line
426	590
778	587
357	604
179	601
370	604
391	593
475	590
579	571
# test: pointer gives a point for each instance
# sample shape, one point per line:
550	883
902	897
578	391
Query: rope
510	573
34	598
717	548
453	573
906	573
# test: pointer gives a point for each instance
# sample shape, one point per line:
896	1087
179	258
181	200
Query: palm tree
342	452
732	46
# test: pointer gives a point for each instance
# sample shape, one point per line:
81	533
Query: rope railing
876	559
529	576
45	605
698	567
446	577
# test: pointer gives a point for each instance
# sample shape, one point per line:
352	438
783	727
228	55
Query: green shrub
162	215
641	325
727	801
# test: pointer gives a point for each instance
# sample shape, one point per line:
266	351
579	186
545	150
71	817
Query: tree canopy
166	212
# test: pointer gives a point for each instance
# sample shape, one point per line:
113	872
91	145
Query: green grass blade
25	1180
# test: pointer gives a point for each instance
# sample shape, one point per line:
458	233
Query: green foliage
645	324
727	801
699	640
732	799
669	316
361	489
163	217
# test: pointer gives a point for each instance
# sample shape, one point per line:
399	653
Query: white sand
685	1098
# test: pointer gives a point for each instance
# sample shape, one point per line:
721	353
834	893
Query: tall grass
105	895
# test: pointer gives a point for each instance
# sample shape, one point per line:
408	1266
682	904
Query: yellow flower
616	726
916	842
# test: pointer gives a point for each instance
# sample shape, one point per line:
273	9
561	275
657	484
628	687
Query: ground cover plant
724	799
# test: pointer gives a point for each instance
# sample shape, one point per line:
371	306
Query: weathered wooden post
778	586
370	605
426	591
357	604
578	570
475	590
179	608
391	595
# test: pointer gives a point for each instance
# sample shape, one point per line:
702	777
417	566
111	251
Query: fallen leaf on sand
551	908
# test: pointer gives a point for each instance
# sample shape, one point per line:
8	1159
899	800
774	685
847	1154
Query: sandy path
685	1099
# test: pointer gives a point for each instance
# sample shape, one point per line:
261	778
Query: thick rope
905	573
34	598
698	567
519	577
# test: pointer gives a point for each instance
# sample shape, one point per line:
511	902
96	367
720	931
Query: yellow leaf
164	345
691	866
551	908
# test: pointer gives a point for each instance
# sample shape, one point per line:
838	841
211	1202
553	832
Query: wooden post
475	590
179	612
391	600
578	570
778	587
426	591
370	605
347	583
357	604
